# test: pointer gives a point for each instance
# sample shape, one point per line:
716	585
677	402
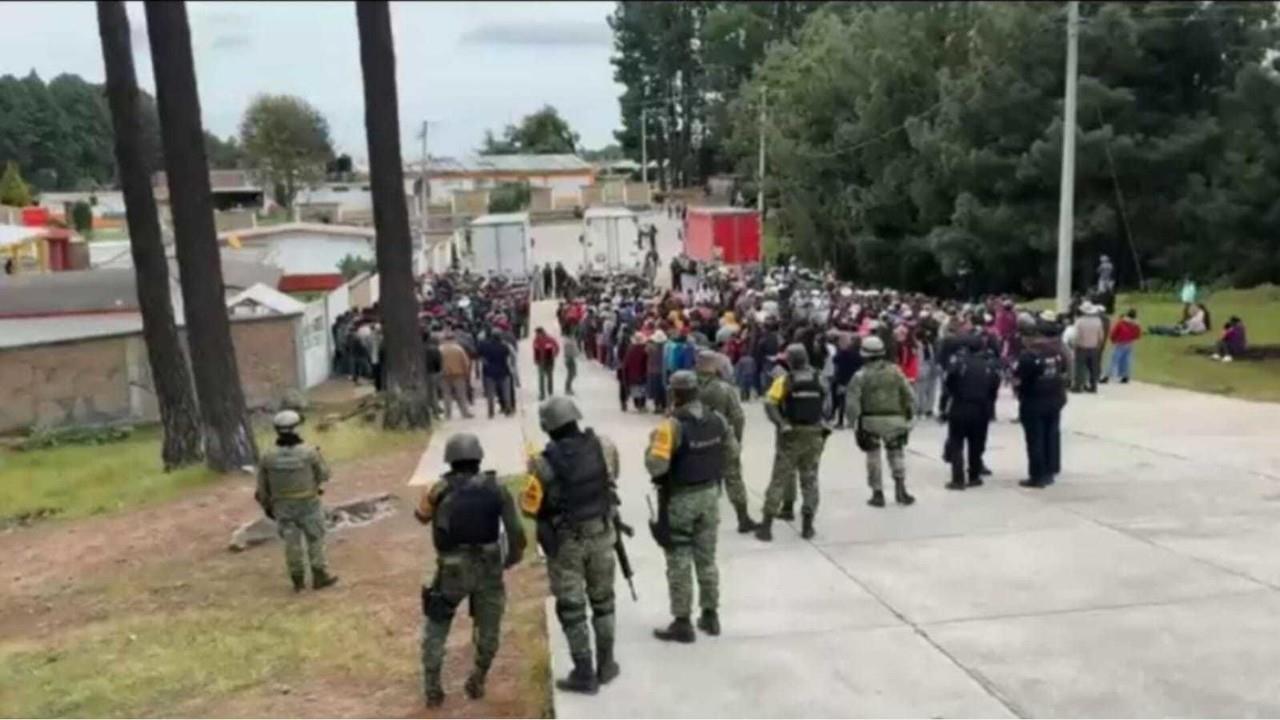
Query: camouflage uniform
880	398
722	397
466	570
692	512
799	445
289	487
581	570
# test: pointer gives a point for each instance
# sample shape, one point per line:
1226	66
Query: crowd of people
471	326
645	336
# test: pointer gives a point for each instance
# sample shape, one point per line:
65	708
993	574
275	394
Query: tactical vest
289	473
699	460
470	512
880	390
803	403
975	378
580	491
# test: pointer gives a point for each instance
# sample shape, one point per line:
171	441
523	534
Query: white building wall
313	253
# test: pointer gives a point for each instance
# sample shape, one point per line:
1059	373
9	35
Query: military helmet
872	347
286	420
797	356
708	362
463	446
683	380
557	412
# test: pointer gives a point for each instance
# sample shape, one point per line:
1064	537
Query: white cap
286	420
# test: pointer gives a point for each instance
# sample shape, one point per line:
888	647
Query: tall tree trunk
170	374
229	442
402	355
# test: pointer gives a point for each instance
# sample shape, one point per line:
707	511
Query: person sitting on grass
1234	340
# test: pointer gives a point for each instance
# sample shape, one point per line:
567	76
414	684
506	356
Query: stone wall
104	380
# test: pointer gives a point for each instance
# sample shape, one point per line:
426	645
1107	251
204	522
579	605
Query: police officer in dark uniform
468	511
1041	384
972	382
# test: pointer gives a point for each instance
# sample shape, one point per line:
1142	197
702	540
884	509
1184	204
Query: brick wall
101	380
80	383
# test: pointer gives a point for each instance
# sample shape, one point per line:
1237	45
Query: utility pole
423	180
644	146
1066	206
760	172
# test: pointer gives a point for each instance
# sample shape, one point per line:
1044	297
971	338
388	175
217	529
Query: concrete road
1144	583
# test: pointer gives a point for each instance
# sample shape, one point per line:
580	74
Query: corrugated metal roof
267	297
506	163
77	291
40	331
109	290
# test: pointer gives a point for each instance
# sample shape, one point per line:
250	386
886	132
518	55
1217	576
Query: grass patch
142	665
1172	361
71	481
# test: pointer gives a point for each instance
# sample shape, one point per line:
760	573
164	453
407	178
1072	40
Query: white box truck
611	240
499	244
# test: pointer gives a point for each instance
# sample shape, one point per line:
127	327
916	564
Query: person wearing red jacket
1124	334
908	353
545	350
634	371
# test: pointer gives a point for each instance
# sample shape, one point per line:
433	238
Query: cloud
540	34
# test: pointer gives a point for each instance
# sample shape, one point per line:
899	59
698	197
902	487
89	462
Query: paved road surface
1143	584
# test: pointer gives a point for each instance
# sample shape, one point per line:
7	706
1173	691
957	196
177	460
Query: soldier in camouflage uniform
290	480
720	396
794	404
465	509
687	456
879	408
575	505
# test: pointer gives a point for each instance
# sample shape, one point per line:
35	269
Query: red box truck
729	234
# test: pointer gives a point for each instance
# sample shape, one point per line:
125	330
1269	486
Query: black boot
955	485
606	667
877	499
709	622
321	579
475	684
299	582
900	493
788	512
764	528
680	630
745	523
806	530
582	679
975	481
434	693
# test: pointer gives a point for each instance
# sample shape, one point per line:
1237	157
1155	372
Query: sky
463	66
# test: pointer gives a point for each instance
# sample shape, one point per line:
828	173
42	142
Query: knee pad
602	607
570	612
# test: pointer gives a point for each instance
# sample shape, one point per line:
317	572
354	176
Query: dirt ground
61	579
